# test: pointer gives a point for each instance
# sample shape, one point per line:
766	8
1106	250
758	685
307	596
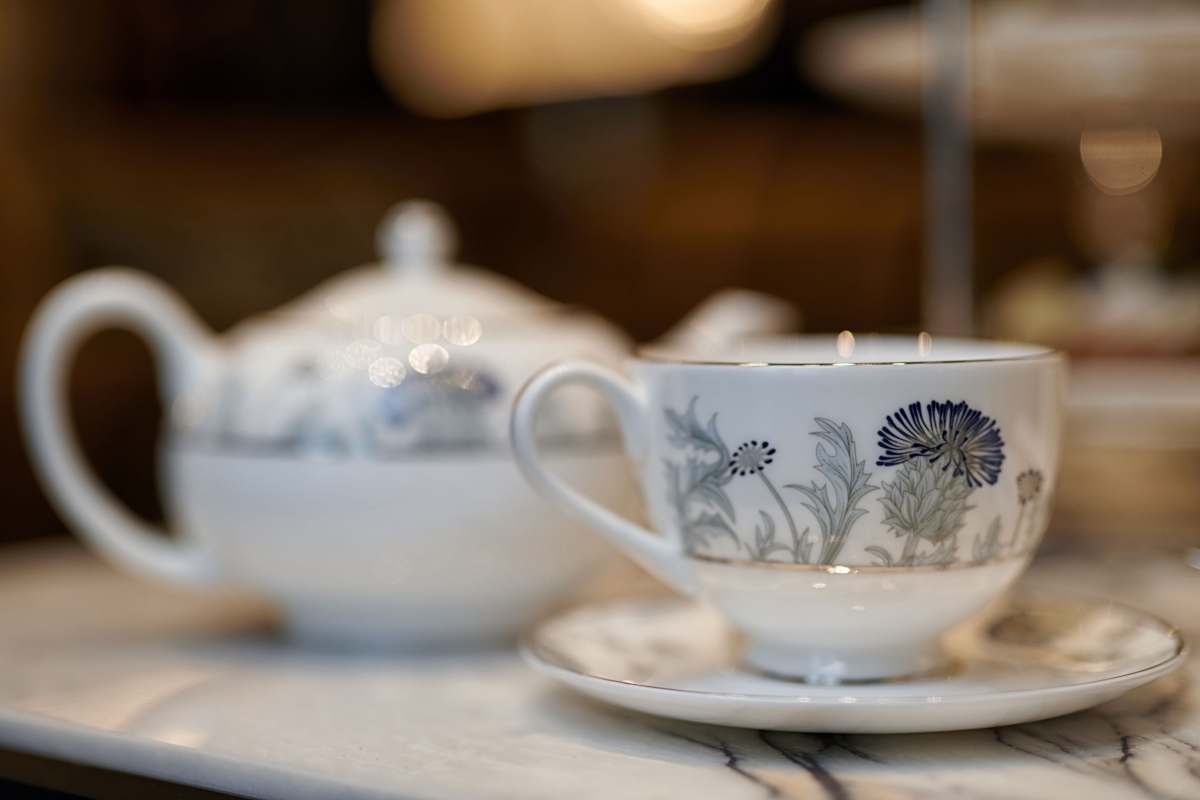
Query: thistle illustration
945	451
952	435
848	478
927	503
752	458
697	485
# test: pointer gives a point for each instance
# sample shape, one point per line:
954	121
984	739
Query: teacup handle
80	306
661	555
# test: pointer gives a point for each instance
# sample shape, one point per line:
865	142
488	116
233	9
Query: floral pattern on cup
753	458
945	452
948	434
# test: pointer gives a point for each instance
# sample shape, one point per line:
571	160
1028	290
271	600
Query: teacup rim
647	353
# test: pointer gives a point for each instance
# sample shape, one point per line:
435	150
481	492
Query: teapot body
396	553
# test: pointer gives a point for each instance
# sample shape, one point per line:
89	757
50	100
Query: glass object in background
947	294
1113	87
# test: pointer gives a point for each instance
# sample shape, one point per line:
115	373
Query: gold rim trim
641	354
846	569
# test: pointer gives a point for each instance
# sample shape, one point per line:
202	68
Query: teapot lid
416	242
414	354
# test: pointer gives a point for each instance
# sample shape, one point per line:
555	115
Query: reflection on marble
100	669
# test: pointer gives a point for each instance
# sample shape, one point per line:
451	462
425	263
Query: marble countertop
99	669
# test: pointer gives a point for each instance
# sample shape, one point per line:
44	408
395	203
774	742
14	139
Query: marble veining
107	671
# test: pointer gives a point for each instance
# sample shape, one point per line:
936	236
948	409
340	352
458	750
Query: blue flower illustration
951	434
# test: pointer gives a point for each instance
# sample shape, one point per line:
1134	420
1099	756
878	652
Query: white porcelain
841	501
414	553
1034	657
346	455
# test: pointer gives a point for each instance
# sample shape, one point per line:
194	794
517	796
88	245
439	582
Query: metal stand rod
947	305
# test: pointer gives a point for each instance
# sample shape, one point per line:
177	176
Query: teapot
346	455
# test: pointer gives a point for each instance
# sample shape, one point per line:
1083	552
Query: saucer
1025	658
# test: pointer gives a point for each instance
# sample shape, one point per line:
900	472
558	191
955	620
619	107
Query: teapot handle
184	350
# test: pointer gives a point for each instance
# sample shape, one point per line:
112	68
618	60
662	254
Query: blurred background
632	156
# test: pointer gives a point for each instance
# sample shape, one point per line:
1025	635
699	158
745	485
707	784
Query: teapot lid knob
416	237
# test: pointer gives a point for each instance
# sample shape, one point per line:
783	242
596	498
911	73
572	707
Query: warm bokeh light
389	329
924	344
428	359
702	24
422	328
1121	161
463	330
1040	70
386	372
455	57
845	344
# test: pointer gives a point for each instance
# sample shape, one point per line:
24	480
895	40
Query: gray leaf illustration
988	545
849	481
885	558
702	509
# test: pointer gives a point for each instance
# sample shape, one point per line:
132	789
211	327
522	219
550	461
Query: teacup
841	503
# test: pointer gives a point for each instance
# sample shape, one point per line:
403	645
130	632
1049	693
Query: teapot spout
730	314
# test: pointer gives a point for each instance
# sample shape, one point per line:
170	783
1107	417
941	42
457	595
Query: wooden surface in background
168	137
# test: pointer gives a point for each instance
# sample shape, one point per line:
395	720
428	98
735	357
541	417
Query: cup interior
844	348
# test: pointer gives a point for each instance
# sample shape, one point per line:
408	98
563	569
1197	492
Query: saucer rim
526	649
